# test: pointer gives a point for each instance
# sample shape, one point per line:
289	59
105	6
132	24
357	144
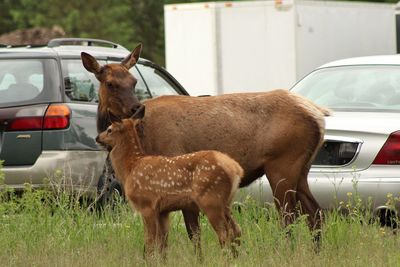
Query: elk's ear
90	63
112	118
139	113
133	57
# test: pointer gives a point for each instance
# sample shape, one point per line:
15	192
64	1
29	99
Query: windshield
374	87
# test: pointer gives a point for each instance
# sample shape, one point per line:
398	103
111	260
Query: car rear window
364	87
28	81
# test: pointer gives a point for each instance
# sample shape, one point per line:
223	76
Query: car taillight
390	152
25	124
57	116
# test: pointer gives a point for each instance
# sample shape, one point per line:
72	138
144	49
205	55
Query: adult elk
276	133
157	185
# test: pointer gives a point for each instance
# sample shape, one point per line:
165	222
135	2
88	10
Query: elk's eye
109	131
109	84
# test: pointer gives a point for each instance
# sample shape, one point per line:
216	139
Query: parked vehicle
361	154
263	45
48	106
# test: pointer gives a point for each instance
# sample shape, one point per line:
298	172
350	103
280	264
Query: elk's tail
325	111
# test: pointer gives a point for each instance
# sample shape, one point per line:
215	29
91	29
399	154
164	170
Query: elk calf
156	185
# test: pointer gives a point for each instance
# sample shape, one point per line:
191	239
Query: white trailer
222	47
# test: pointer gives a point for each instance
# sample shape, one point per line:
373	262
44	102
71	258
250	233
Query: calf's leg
163	232
234	231
151	226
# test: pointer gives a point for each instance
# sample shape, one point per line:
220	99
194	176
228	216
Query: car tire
387	218
109	193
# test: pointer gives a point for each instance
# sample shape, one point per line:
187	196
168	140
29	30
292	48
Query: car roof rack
21	45
82	41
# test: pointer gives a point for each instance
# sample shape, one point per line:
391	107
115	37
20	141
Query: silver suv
48	105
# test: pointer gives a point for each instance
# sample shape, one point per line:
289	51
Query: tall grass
41	229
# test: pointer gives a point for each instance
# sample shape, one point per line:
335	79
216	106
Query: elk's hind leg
286	174
191	218
308	204
288	180
283	181
311	207
234	231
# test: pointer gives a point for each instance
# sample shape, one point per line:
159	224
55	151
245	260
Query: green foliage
127	22
48	230
1	173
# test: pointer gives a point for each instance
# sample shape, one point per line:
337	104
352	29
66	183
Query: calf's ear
139	113
112	118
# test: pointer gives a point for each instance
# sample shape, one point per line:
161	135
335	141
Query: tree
123	21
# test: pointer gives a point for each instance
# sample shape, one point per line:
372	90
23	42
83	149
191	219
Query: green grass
43	228
39	229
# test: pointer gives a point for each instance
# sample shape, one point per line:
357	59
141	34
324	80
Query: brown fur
157	185
276	133
116	86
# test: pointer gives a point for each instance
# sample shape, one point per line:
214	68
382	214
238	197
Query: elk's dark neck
102	120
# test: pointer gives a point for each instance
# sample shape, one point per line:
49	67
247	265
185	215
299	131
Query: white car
360	158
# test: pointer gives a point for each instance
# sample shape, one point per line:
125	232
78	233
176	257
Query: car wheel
387	218
110	193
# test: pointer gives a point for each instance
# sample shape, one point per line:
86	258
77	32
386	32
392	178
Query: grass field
43	229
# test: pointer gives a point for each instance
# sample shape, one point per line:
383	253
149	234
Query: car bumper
78	170
377	187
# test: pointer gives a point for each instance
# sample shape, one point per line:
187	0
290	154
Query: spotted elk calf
157	185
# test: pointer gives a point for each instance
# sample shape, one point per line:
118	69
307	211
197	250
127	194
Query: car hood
370	129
